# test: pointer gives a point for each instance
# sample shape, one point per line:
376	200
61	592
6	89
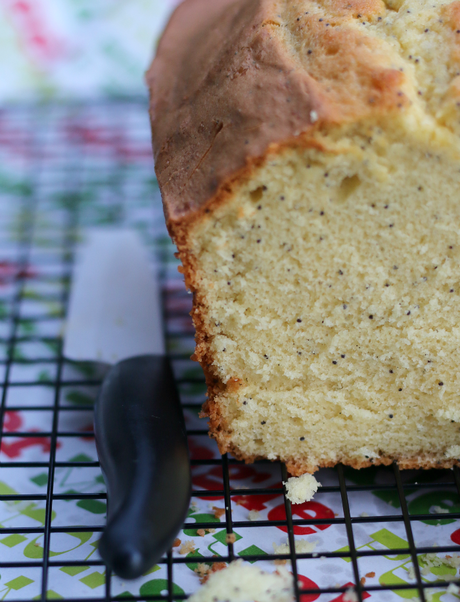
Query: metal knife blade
114	315
114	309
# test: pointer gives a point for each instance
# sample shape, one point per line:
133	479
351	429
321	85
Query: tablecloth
77	48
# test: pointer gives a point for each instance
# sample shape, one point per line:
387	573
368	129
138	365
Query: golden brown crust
229	81
297	467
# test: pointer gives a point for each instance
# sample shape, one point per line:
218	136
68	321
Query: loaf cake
308	156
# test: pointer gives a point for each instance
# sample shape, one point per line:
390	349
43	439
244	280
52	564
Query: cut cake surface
308	155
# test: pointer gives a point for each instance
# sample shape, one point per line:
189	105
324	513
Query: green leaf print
79	398
443	500
157	586
34	550
15	187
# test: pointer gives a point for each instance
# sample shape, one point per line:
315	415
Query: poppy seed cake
308	156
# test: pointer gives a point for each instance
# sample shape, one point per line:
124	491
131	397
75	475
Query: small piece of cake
308	156
301	489
241	582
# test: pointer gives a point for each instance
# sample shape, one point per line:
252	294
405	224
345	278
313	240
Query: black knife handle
142	447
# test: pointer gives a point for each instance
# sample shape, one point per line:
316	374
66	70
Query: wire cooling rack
377	533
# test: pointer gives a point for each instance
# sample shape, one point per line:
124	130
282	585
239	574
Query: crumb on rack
433	560
242	581
187	547
218	512
201	532
301	547
370	575
254	515
440	510
176	543
204	571
350	596
230	538
301	489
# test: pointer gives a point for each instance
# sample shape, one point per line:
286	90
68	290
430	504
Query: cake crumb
204	571
440	510
187	547
201	532
453	589
176	543
370	575
218	512
433	560
301	547
362	580
241	581
301	489
230	538
350	596
254	515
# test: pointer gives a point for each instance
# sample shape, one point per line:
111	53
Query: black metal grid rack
56	155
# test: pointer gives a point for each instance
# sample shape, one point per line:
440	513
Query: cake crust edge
183	213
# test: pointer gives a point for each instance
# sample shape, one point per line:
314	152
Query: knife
114	317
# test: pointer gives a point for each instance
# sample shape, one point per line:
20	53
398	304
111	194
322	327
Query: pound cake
308	155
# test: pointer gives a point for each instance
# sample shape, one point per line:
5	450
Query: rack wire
65	167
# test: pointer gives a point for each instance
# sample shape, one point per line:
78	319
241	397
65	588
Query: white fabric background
77	48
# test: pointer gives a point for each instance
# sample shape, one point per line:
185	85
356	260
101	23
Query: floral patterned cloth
67	167
77	48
